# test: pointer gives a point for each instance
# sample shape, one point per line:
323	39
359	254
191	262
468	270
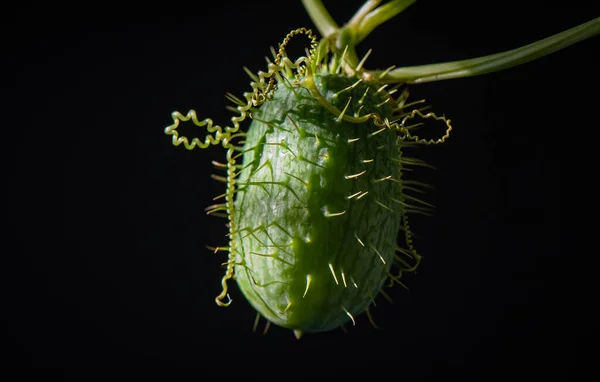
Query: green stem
494	62
321	17
364	21
375	18
328	28
367	7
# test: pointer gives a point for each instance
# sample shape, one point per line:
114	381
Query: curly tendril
263	87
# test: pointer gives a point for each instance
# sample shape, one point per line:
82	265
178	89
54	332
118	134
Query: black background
106	266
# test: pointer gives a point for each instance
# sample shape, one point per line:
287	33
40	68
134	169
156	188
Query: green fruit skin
290	180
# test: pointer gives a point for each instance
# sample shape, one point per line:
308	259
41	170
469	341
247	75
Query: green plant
316	197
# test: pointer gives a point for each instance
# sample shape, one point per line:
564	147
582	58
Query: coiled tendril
263	86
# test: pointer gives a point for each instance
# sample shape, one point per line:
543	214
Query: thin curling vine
317	200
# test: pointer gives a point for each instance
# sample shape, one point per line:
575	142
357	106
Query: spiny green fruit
318	201
316	215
